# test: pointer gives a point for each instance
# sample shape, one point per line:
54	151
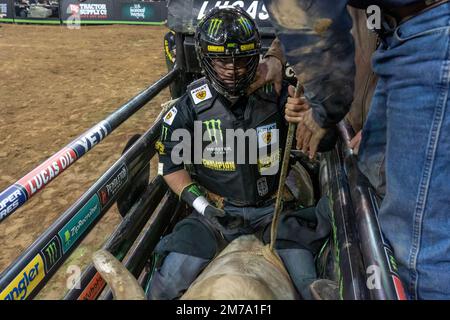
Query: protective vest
240	158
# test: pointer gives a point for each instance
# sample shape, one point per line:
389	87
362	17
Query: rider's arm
316	41
178	180
176	138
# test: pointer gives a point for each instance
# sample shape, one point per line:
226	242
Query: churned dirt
55	83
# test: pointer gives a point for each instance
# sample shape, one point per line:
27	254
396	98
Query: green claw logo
246	25
213	127
164	133
214	26
51	251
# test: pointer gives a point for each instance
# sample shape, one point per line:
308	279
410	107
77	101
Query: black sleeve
177	122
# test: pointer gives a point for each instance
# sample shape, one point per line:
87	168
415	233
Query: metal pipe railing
40	260
378	257
169	209
121	240
17	194
350	271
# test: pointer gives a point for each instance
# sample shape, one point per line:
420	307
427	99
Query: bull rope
284	168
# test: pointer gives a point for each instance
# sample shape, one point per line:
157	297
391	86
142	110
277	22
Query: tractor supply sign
76	227
136	11
93	11
28	279
87	10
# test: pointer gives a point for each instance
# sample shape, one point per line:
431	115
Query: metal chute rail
367	266
169	209
17	194
377	254
121	240
356	243
26	276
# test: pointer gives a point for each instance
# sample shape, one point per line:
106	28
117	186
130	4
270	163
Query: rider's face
228	71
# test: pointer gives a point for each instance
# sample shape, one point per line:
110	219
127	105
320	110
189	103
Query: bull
245	269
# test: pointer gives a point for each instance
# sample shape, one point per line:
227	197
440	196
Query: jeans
408	129
296	246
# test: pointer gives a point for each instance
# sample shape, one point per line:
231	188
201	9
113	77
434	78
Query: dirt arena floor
55	83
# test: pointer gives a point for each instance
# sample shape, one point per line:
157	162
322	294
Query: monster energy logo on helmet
246	25
213	127
214	26
231	34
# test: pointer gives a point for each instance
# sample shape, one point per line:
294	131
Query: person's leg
371	156
298	243
299	263
175	276
186	252
414	213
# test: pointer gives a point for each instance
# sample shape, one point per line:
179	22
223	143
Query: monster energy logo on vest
214	129
241	152
164	133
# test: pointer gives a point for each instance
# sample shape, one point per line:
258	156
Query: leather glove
224	222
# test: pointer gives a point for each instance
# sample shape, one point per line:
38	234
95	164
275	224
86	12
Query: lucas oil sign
256	9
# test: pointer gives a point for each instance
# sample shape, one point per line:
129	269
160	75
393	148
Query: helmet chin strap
225	94
233	99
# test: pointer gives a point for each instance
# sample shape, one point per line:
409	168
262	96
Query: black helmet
230	34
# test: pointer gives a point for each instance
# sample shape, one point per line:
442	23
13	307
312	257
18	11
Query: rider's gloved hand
226	223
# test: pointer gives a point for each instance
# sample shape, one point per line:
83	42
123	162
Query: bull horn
122	283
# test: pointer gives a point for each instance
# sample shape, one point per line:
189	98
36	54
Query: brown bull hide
245	269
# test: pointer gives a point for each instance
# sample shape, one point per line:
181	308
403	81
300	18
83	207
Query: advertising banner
142	11
184	15
114	12
36	12
6	10
91	10
83	12
136	11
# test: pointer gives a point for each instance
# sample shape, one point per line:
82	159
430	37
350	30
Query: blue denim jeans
408	129
183	263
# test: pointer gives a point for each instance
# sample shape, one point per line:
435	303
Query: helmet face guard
228	47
